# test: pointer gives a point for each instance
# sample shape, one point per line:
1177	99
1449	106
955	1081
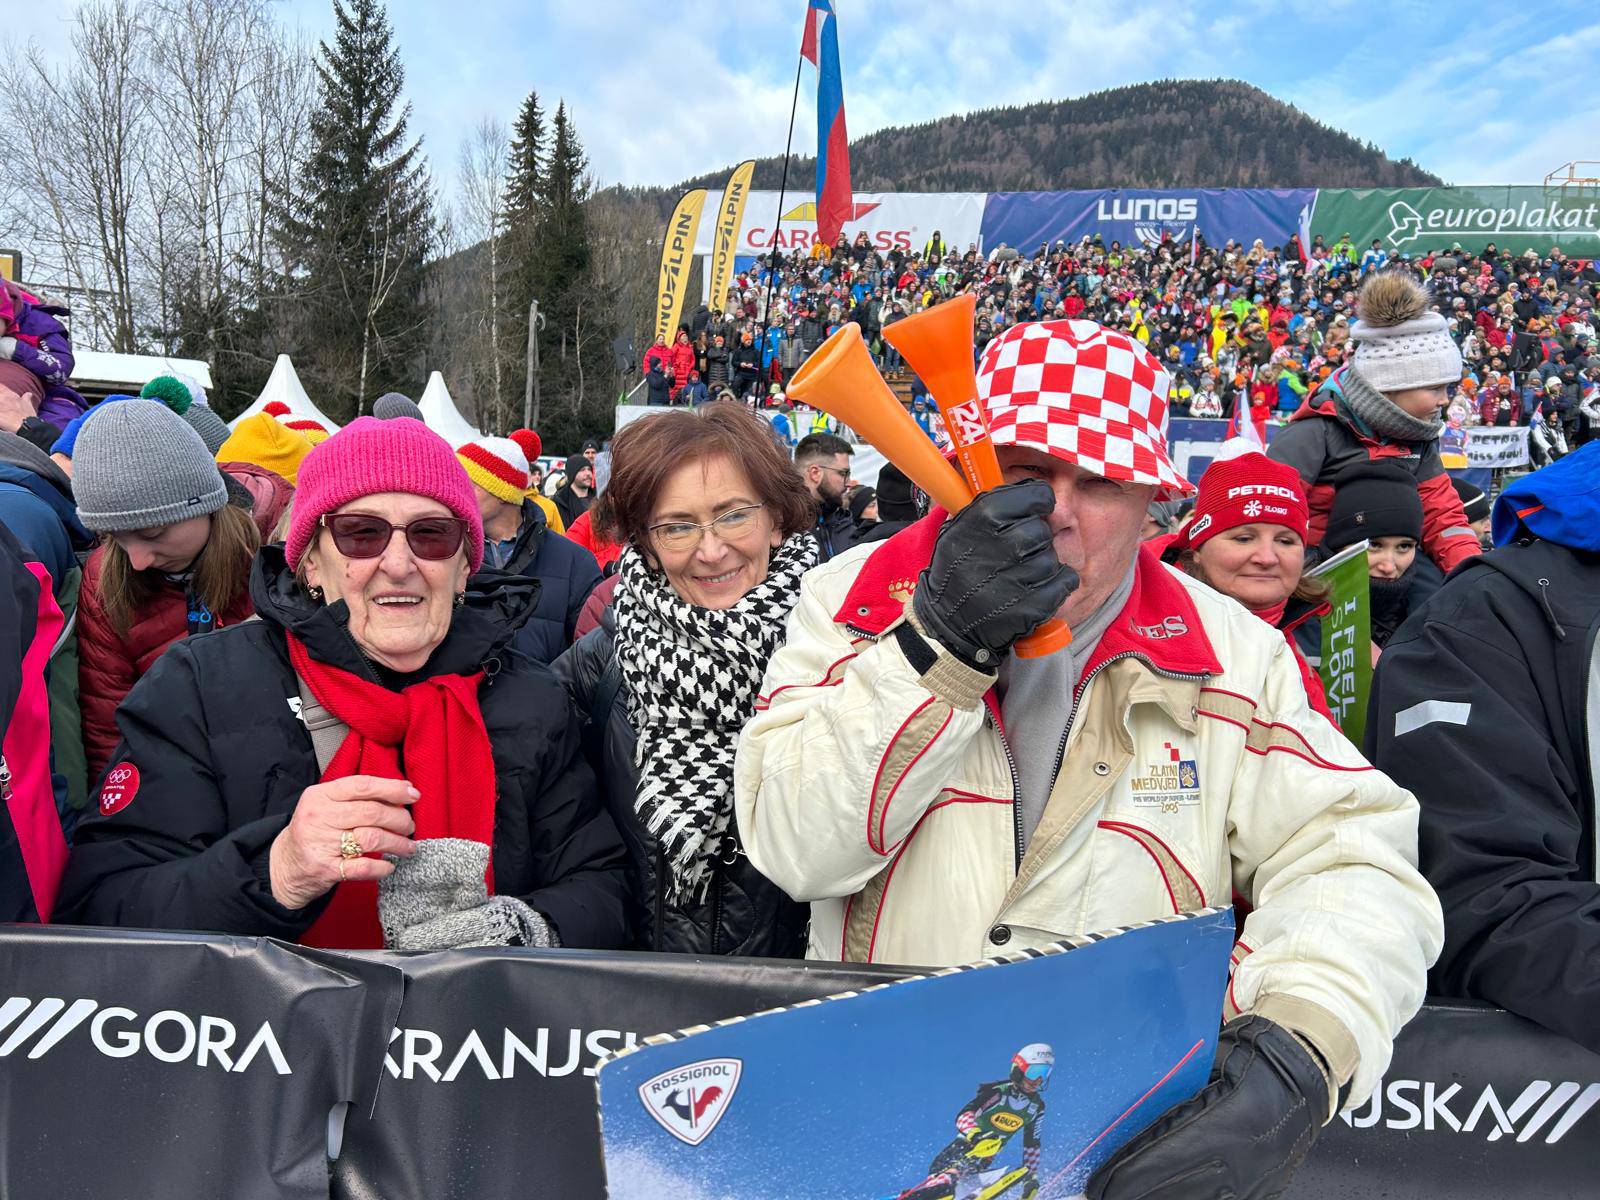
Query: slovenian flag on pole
820	47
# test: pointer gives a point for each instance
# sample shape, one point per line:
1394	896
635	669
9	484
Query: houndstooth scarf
692	676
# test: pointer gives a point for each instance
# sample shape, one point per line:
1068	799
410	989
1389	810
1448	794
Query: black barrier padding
1477	1104
170	1065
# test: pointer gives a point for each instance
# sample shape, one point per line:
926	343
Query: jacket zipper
661	887
716	910
1016	794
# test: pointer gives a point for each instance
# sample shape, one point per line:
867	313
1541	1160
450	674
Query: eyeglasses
360	535
731	526
845	471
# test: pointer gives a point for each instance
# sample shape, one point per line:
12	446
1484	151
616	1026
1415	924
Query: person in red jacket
682	359
1384	404
174	559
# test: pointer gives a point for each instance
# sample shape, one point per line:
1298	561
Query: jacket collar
1159	623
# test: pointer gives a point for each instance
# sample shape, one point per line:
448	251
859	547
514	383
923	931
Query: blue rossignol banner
1135	216
777	1105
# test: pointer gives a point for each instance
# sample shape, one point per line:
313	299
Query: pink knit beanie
369	456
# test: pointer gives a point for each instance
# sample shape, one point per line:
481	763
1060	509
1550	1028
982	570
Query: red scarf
431	734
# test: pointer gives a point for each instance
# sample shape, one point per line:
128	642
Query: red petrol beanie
1248	490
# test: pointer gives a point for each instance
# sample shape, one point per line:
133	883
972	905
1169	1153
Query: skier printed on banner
965	1169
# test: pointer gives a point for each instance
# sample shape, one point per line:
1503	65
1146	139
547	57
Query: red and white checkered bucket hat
1085	394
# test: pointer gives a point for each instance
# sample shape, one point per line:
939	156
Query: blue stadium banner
1135	216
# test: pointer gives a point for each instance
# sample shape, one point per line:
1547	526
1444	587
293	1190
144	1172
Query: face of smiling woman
723	565
400	605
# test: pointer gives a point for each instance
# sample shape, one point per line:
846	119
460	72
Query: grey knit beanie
392	404
138	465
213	430
1400	343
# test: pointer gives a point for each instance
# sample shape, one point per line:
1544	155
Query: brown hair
645	452
221	570
1310	588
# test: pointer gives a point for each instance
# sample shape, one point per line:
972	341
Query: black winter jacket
1486	704
566	573
744	913
222	759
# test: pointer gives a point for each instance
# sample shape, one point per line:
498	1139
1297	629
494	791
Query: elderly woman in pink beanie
372	763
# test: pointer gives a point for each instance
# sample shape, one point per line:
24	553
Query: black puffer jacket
222	759
1486	704
743	913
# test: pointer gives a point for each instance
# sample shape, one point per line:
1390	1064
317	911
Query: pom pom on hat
498	466
1399	342
371	455
171	391
277	409
532	445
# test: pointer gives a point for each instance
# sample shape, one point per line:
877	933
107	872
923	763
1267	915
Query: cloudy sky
661	91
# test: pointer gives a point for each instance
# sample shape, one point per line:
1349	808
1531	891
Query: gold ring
348	846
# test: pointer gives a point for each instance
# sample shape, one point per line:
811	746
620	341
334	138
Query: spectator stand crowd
1255	325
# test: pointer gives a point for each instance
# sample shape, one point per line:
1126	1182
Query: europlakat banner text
1416	220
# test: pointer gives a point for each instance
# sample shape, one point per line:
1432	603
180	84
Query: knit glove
1241	1137
994	577
437	900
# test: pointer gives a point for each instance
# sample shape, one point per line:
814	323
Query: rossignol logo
688	1101
1542	1109
501	1053
169	1036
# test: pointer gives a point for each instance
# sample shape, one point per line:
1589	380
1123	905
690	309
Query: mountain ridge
1164	134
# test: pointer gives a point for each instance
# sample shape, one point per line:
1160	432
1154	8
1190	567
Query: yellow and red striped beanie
498	466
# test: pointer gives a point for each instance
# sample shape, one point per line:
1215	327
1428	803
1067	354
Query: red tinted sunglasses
359	535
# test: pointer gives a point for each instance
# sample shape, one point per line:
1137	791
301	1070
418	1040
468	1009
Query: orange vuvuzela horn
839	378
937	342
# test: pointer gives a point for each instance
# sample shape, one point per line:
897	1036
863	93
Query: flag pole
777	224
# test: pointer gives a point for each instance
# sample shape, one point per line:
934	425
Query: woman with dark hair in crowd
174	559
371	764
1248	541
715	520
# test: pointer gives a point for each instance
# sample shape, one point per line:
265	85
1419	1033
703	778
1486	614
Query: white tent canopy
442	416
284	386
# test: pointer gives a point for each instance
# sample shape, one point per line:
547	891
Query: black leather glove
1240	1138
994	576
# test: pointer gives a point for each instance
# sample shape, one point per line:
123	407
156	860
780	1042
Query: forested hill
1173	133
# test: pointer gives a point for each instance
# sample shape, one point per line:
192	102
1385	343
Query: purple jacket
38	341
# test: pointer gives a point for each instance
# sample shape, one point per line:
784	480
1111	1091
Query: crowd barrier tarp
1416	220
156	1065
489	1084
1477	1104
891	220
754	1107
1193	443
1138	216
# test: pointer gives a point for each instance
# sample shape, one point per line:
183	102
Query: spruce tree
360	225
559	264
524	185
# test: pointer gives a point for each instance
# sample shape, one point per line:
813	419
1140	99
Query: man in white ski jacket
937	799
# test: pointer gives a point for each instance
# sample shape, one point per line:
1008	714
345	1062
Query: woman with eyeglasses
372	763
714	519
